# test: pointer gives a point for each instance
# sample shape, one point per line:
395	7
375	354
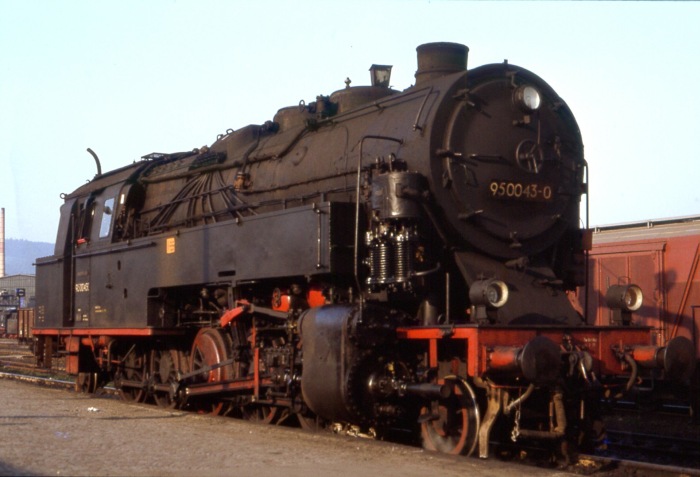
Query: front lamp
492	293
487	294
528	98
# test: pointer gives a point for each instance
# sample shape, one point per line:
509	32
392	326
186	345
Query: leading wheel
451	425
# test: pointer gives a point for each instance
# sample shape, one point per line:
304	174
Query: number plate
529	191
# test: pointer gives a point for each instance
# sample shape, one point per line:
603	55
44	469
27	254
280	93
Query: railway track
652	448
39	380
616	467
16	359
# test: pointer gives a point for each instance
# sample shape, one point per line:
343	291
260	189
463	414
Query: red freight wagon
661	257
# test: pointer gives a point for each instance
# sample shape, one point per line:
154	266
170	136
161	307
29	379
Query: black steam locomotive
371	260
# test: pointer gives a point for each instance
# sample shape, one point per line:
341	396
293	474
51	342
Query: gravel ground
54	432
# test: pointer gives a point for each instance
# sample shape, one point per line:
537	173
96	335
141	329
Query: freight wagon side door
683	287
638	263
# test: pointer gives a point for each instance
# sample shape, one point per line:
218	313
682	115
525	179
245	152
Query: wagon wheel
451	425
260	413
165	365
133	369
209	348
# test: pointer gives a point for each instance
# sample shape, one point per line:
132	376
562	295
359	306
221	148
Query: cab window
107	214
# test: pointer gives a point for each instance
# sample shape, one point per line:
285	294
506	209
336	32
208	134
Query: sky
133	77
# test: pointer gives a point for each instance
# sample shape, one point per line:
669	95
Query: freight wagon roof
647	229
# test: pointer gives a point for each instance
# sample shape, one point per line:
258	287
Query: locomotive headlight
527	97
627	298
492	293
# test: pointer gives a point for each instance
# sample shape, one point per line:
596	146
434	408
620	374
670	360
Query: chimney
440	59
2	242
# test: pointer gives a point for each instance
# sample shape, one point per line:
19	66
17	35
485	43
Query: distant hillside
21	254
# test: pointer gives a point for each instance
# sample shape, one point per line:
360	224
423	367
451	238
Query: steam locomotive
372	260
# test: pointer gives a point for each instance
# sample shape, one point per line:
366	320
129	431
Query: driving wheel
209	349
